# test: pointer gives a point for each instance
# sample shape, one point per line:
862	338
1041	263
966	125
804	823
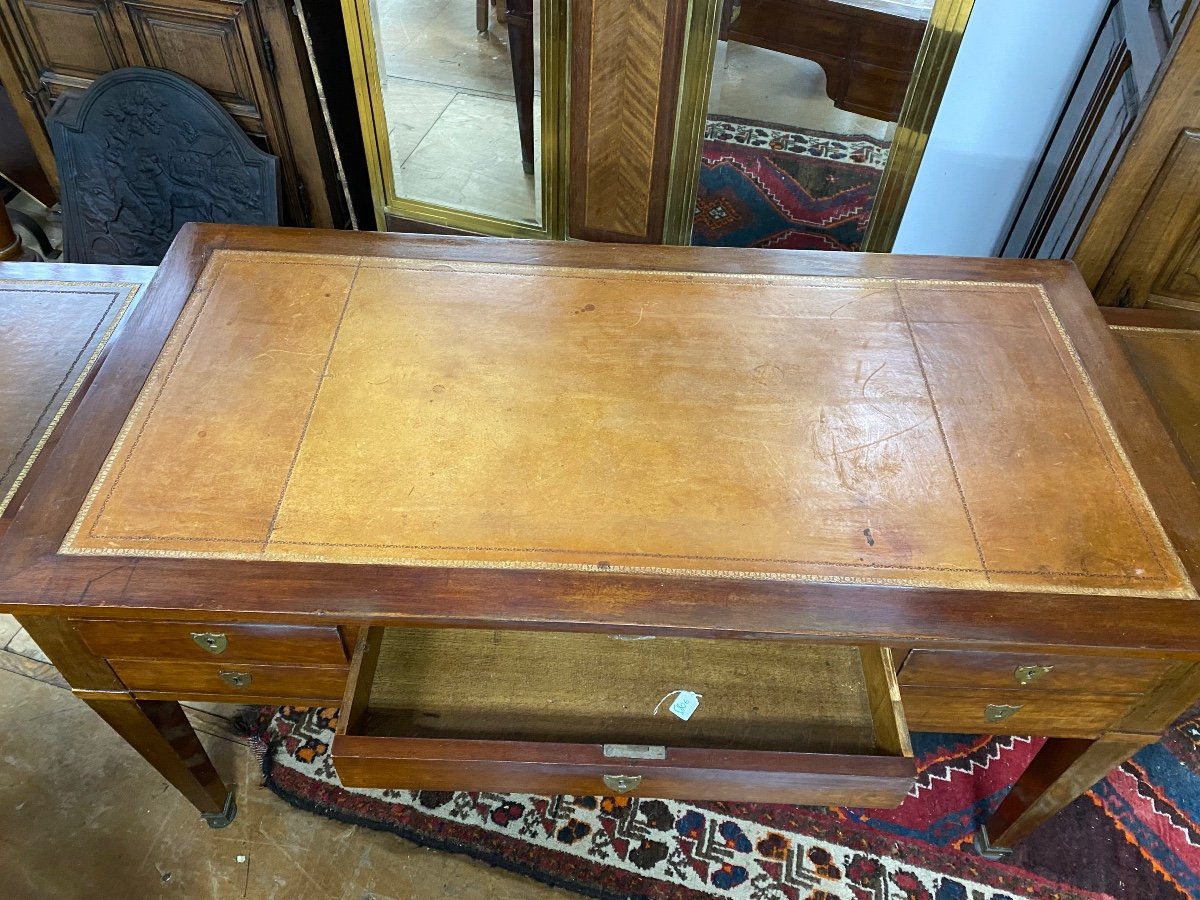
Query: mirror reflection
460	89
804	101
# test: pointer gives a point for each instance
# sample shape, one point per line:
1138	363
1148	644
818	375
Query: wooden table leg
1062	770
520	51
160	731
157	729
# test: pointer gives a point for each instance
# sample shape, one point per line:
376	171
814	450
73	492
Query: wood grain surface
408	413
625	63
469	683
1167	359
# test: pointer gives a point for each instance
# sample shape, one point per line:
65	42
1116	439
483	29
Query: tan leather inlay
50	335
467	414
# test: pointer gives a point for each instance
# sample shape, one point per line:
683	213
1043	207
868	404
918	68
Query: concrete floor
82	816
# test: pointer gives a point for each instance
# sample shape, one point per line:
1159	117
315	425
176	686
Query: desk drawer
1015	711
574	713
236	682
293	645
1031	672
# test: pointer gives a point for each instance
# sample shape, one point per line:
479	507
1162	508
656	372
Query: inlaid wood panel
624	83
475	415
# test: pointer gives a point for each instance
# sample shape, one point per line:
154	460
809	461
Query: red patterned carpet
1134	836
763	185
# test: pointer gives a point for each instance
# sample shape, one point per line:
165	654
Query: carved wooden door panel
221	46
60	45
1142	248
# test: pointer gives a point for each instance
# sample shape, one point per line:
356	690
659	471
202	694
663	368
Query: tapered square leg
160	732
1062	770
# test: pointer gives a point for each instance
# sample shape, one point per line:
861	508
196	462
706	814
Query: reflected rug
765	185
1134	835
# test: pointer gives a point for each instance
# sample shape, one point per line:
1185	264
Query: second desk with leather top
500	499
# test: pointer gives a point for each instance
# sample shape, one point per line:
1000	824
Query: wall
1016	64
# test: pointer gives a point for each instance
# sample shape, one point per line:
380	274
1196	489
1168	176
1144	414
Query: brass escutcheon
622	784
1030	674
237	679
994	712
211	641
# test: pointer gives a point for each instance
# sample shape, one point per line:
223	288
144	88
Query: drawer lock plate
211	641
237	679
622	784
1030	674
994	712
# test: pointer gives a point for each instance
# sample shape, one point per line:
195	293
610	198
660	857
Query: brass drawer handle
237	679
994	712
622	784
214	642
1030	674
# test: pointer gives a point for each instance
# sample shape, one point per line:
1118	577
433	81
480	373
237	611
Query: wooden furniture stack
503	500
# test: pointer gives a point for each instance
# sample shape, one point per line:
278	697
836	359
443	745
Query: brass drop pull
622	784
237	679
994	712
211	641
1030	674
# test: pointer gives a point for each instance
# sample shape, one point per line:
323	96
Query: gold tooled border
1168	332
218	259
131	291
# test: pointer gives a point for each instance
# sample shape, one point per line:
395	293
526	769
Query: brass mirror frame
364	66
935	60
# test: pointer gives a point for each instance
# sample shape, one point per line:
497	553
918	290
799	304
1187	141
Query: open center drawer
573	713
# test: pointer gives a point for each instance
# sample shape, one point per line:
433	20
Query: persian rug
1134	835
765	185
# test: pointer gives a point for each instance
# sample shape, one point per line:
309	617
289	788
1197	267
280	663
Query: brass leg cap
983	846
224	817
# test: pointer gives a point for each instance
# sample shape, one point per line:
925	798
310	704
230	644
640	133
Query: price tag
685	704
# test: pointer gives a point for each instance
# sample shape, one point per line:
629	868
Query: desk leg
1062	770
520	50
157	729
160	732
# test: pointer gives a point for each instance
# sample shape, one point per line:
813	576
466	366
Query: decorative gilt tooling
326	408
51	334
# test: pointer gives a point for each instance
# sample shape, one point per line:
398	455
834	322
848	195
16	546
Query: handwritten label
685	704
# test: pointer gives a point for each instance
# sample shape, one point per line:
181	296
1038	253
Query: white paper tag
685	704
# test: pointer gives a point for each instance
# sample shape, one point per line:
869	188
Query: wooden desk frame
45	589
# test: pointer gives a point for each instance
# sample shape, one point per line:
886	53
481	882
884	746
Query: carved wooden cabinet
243	52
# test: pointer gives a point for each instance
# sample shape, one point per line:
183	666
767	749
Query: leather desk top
314	426
54	322
408	412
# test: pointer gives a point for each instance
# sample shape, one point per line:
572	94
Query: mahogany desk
499	499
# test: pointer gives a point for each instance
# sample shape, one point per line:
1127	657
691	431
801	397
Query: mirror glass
459	86
803	105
